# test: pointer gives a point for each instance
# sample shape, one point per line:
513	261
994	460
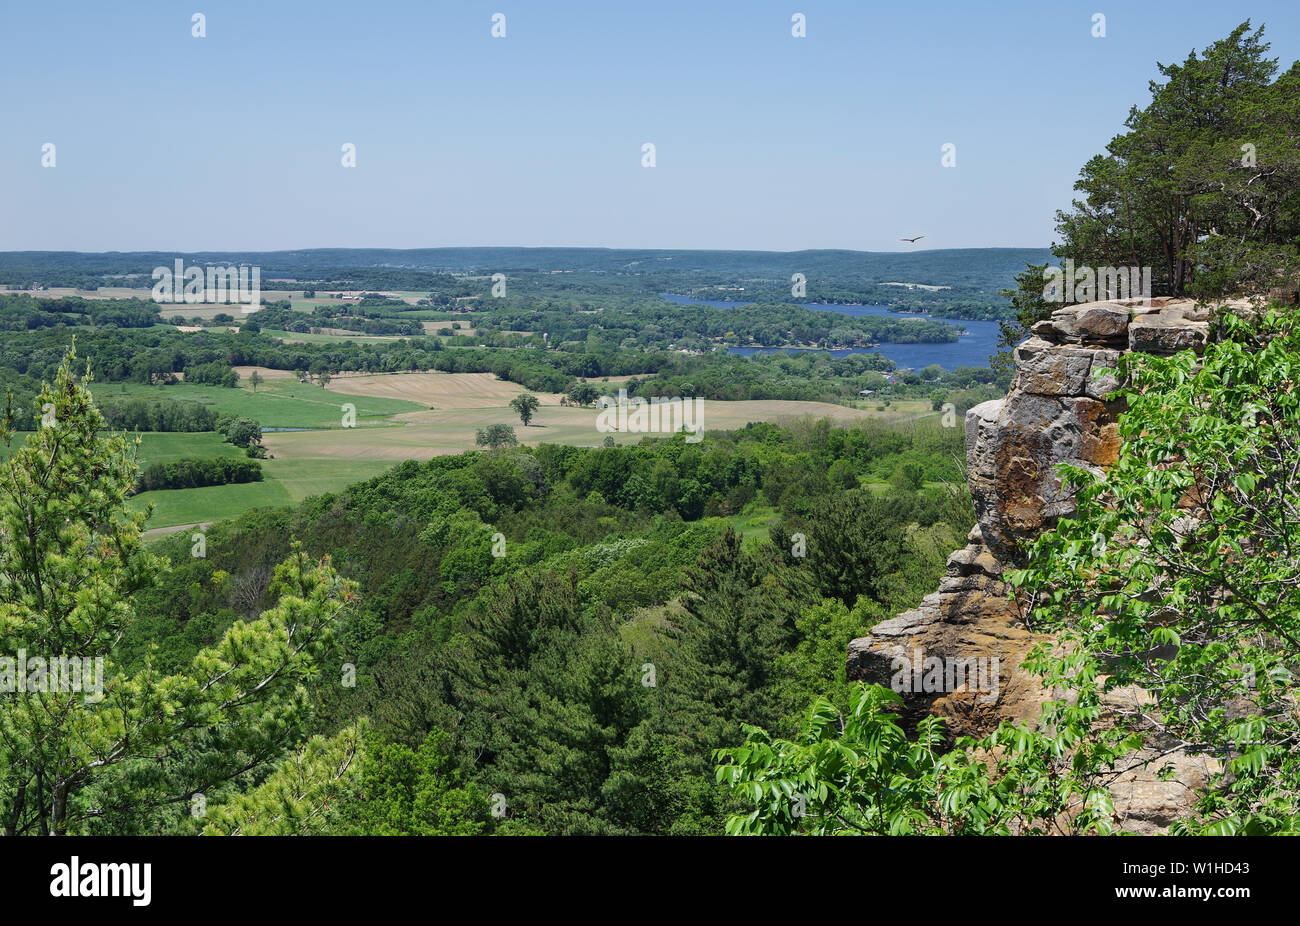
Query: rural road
159	531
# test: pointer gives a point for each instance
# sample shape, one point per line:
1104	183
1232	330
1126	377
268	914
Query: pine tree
70	558
1204	184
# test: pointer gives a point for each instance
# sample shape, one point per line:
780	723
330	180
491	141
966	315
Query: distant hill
964	264
964	282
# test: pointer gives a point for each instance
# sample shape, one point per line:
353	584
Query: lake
970	350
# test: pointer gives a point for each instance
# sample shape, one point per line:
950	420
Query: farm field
207	311
435	325
280	402
427	434
280	486
284	481
437	390
303	478
306	337
400	416
436	433
104	292
173	507
265	372
156	447
159	447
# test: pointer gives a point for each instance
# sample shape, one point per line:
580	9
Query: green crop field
305	478
164	448
283	403
283	481
157	447
211	503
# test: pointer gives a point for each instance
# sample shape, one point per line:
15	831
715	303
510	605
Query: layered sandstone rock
1059	410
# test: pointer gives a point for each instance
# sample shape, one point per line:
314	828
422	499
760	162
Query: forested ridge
587	674
970	278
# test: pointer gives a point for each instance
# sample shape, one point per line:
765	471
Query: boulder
1102	321
1164	333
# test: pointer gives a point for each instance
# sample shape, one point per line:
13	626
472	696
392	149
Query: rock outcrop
1059	410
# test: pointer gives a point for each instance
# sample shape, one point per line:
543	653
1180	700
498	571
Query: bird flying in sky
912	240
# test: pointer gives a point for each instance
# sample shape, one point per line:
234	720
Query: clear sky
233	141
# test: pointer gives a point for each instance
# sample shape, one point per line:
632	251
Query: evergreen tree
125	744
1028	307
1204	186
741	611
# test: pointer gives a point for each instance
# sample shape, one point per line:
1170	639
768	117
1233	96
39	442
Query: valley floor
399	416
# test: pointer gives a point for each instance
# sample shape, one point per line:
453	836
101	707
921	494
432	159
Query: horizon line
512	247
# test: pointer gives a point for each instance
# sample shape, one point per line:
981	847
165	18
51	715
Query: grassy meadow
280	402
304	337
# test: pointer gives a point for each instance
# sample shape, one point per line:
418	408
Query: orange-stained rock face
1057	411
1098	431
1012	461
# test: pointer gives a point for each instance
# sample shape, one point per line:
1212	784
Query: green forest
569	631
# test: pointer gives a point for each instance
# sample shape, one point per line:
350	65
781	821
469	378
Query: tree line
191	474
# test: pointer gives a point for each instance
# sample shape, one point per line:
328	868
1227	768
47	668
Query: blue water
971	350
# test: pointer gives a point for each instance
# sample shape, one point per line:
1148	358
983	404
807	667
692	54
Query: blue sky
169	142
